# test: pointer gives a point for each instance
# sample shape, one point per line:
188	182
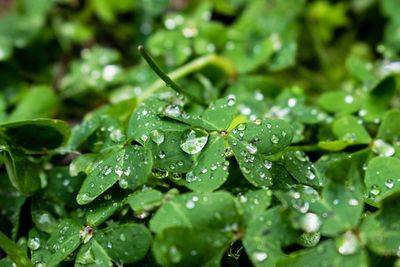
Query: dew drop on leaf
174	255
260	256
310	222
173	111
348	244
193	141
267	164
34	243
353	202
231	100
157	136
252	149
389	183
382	148
123	183
375	190
274	139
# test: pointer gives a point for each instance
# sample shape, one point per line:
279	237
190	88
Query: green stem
183	71
14	252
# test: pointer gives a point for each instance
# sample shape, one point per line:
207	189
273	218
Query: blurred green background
63	58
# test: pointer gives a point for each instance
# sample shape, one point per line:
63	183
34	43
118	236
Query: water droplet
252	149
122	237
260	256
310	222
174	255
157	136
194	140
231	100
34	243
190	204
123	183
190	177
141	214
348	99
144	137
310	175
382	148
348	243
109	244
84	198
274	139
389	183
375	190
310	239
267	164
292	102
172	111
353	202
241	127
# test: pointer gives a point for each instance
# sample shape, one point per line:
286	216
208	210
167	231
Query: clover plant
199	133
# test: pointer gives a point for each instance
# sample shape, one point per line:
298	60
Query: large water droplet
310	222
34	243
274	139
375	190
194	140
157	136
389	183
123	183
382	148
348	243
260	256
172	111
175	255
231	99
252	149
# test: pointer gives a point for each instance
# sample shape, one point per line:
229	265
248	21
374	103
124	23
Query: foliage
240	133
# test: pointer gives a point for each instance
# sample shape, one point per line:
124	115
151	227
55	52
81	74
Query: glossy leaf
210	170
381	178
63	241
216	211
126	242
129	165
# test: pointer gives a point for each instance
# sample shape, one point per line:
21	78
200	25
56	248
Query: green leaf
253	166
340	102
37	135
209	171
324	254
168	155
100	210
146	119
80	133
186	246
381	178
266	233
381	230
255	203
144	201
13	251
221	113
125	243
130	165
389	129
23	173
348	128
39	102
63	241
269	136
61	186
217	211
301	168
92	254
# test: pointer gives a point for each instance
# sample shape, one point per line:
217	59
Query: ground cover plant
199	133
